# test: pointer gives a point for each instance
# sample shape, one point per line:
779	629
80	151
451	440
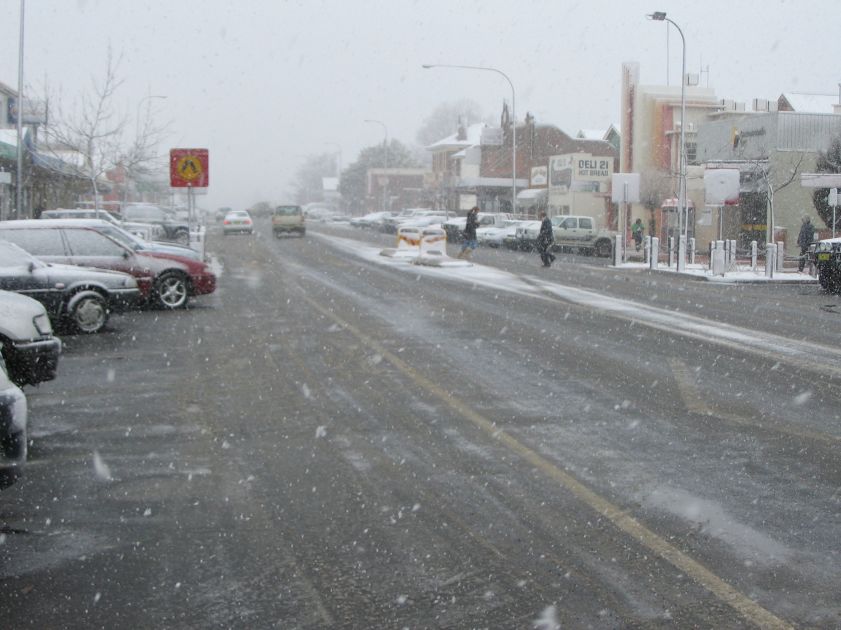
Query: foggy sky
263	83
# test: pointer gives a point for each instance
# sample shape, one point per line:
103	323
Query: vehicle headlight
42	324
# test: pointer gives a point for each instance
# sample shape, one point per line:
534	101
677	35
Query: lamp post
385	144
513	122
19	174
660	16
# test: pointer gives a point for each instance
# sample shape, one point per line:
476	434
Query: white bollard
718	263
681	253
770	259
617	251
781	256
671	251
692	251
646	244
655	253
753	252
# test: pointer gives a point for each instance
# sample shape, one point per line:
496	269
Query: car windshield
122	236
328	403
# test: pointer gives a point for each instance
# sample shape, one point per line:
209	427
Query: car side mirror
125	255
31	266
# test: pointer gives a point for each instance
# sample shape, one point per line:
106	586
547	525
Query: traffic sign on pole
188	168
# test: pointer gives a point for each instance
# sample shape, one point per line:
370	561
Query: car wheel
603	248
171	290
87	312
182	237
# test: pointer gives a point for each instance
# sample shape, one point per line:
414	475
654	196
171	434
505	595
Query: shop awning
530	195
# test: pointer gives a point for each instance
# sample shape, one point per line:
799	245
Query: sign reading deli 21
188	168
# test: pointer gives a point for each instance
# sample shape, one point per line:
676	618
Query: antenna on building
704	70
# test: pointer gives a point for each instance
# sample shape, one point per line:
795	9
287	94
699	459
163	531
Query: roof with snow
809	103
597	134
472	137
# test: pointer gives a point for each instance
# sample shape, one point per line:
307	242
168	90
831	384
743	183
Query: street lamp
19	174
513	122
683	214
385	144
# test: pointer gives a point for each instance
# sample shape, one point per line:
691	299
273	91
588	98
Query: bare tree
776	180
99	135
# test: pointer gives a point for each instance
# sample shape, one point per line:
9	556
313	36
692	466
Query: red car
165	280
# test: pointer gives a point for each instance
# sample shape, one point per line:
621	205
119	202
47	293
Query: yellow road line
746	607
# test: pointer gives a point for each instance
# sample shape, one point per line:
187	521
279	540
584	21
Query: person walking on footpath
805	239
545	240
637	230
470	233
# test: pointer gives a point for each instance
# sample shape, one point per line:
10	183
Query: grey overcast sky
263	82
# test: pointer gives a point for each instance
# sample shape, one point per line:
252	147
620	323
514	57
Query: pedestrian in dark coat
469	233
545	240
805	239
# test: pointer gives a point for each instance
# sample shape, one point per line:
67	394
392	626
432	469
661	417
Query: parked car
525	236
146	231
390	224
454	227
165	280
494	236
580	233
370	220
129	239
424	221
80	298
237	222
27	342
174	229
288	219
13	418
827	259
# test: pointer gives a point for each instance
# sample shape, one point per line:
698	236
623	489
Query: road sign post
189	168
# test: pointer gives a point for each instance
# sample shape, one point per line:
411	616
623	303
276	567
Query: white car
237	222
27	343
423	221
13	430
494	236
372	219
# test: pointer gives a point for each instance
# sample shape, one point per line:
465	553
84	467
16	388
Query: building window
691	152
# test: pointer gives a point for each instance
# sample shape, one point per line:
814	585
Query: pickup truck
827	259
455	226
578	233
